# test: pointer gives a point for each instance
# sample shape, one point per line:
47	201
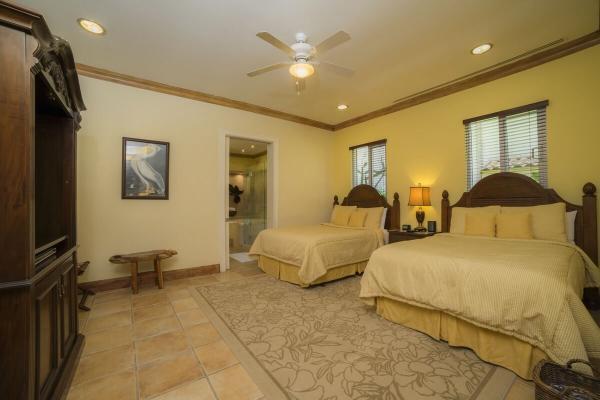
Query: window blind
369	165
508	141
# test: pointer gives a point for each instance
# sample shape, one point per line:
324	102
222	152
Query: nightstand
400	236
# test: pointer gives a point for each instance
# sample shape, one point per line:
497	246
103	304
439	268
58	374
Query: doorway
248	201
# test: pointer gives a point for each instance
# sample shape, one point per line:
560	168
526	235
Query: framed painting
145	172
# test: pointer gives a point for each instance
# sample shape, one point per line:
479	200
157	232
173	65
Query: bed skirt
493	347
289	273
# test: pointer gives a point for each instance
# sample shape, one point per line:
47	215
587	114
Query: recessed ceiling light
482	48
342	107
91	26
251	146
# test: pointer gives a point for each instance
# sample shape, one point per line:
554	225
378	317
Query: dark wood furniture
401	236
135	258
40	104
510	189
366	196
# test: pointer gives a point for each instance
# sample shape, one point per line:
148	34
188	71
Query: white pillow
570	225
383	215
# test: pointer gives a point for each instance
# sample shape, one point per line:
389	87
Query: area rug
324	343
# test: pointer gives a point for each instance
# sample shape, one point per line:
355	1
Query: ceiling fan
302	56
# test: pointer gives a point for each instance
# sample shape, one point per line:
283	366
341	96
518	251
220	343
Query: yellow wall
426	142
189	221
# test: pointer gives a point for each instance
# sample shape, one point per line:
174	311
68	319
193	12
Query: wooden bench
135	258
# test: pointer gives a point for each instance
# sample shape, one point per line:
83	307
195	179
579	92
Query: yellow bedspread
317	248
528	289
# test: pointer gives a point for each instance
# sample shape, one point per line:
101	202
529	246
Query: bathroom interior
247	197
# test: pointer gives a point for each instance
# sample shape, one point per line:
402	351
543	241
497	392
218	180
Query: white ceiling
398	47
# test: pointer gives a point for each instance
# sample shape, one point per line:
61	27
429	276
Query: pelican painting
145	169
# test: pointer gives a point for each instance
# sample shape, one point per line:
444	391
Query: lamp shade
419	196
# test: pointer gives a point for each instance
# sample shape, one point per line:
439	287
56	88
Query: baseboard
148	278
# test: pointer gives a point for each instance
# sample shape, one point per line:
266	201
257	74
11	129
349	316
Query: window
369	165
508	141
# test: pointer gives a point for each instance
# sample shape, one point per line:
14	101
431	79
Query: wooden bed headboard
510	189
366	196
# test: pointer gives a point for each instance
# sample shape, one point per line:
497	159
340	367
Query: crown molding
128	80
502	71
454	86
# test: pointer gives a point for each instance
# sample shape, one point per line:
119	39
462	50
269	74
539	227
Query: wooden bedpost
336	201
395	216
590	233
445	212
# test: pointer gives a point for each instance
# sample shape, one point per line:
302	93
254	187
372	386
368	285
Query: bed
310	255
512	301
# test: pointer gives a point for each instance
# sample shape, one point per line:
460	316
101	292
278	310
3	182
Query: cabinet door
67	306
46	335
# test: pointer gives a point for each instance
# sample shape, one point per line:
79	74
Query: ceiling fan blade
267	37
332	41
267	69
300	85
347	72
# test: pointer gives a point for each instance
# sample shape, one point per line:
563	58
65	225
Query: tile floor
158	345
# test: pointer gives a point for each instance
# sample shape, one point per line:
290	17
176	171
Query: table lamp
419	196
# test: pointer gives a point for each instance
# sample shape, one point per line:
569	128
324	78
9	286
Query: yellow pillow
374	215
547	221
341	215
457	222
514	226
480	224
357	218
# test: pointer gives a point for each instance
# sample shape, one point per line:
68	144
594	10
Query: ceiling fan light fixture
302	70
482	48
91	26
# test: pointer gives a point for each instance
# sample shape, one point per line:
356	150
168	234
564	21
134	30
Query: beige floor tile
521	390
184	304
202	334
155	347
110	307
229	276
104	363
161	376
192	317
119	386
119	294
150	299
148	288
107	339
215	356
155	311
122	318
82	317
203	280
152	327
178	294
234	383
177	284
197	390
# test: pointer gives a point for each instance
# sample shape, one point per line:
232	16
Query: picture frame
145	169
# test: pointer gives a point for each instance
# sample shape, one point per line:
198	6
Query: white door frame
223	187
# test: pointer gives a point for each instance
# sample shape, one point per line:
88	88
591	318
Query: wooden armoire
40	105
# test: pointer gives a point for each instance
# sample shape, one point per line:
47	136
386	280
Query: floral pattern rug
324	343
